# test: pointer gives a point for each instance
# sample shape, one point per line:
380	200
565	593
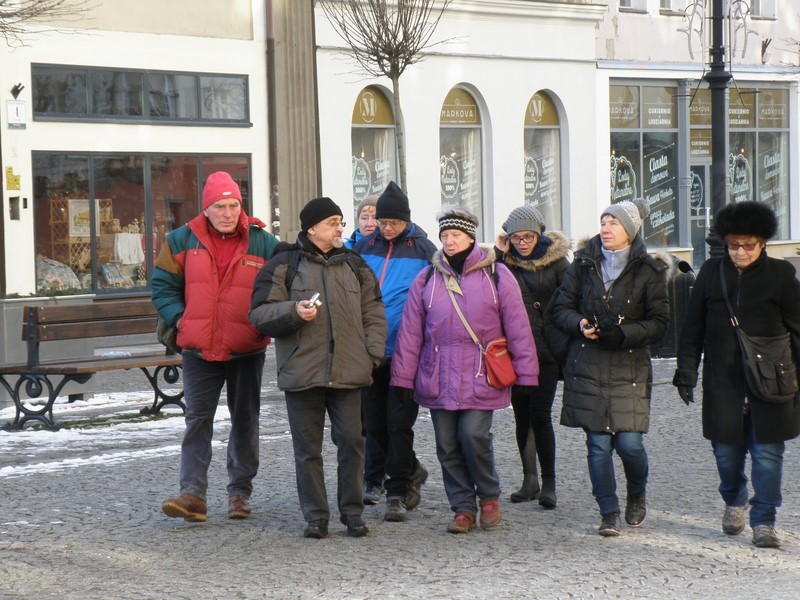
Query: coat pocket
427	384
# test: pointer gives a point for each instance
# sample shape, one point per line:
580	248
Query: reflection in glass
660	189
773	176
223	98
542	173
173	96
374	160
461	169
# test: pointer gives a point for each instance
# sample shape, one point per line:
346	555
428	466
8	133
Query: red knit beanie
220	186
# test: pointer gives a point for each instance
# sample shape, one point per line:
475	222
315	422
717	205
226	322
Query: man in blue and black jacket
397	251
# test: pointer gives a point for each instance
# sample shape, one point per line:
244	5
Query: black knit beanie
318	210
393	204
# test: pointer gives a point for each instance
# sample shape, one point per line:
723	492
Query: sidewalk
81	519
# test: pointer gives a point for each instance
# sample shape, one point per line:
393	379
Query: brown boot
186	507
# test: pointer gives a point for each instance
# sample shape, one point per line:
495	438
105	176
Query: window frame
146	117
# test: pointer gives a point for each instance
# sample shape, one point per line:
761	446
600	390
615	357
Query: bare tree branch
17	16
386	37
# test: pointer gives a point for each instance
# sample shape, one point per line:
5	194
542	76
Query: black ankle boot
528	491
547	498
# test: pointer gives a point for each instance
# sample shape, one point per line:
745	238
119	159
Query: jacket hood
556	251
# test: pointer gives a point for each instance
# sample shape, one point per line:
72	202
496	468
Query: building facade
115	124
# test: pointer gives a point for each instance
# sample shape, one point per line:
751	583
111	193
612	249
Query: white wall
503	52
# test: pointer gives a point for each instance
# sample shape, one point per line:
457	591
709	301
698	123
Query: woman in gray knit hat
613	305
538	260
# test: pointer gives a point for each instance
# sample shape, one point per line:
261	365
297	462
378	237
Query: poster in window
79	217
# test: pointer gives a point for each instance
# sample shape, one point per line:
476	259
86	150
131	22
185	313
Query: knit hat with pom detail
630	214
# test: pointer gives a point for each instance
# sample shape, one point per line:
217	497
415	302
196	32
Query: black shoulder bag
769	367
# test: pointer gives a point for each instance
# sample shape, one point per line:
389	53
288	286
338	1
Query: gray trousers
306	411
202	384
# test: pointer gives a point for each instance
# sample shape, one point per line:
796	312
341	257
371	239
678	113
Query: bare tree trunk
400	132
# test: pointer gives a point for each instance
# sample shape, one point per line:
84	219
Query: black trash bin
679	288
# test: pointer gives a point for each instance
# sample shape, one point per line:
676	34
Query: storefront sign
623	179
659	109
623	106
739	170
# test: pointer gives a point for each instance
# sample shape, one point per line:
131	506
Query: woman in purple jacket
436	358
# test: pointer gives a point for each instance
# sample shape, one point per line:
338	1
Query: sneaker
463	522
764	536
419	476
186	507
316	529
733	519
395	510
610	525
636	510
490	513
372	493
413	497
238	507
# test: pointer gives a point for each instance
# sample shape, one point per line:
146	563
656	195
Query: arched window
542	160
374	157
460	154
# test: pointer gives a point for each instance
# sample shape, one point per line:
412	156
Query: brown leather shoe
186	507
238	507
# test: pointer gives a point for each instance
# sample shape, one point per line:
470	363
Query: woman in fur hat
764	295
613	304
538	259
436	357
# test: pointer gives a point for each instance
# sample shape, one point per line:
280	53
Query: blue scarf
539	250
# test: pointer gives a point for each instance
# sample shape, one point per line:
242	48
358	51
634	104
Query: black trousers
389	421
532	412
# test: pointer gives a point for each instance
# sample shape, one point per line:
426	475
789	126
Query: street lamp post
718	78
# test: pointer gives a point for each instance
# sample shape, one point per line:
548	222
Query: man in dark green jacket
326	351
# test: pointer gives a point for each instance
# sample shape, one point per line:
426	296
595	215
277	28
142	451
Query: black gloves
405	395
686	393
611	339
685	380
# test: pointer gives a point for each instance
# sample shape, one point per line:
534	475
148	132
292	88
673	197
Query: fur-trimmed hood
559	249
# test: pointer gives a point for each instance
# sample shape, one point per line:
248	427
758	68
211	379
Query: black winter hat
393	204
318	210
746	218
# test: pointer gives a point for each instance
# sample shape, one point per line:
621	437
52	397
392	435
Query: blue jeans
466	453
202	384
629	445
766	471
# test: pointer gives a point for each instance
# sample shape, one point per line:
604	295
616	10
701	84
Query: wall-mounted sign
15	111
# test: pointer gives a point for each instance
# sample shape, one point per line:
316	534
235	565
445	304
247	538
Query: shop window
643	159
374	149
542	160
68	92
99	223
460	153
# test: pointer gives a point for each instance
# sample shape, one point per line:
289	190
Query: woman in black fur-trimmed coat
538	259
765	295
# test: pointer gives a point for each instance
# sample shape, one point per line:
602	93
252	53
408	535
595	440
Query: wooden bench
101	318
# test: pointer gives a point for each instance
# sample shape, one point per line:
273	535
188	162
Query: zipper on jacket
385	264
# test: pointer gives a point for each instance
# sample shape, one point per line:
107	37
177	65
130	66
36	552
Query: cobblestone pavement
81	519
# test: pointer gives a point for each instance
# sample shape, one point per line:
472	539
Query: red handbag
499	368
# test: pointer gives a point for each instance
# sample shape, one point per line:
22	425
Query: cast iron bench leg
35	383
171	374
